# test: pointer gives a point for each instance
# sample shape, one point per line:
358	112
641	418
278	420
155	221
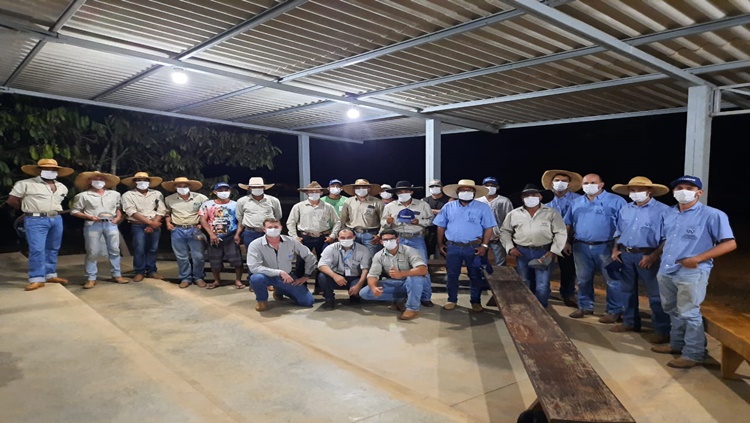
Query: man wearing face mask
436	200
411	226
40	199
334	197
362	213
404	276
500	206
253	209
564	185
183	221
693	234
99	205
145	209
269	259
343	265
466	226
219	219
637	240
385	194
534	234
591	229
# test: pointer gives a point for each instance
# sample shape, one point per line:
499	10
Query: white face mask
48	174
313	197
531	201
493	190
466	195
98	184
142	185
390	244
346	243
257	192
591	189
404	197
684	196
335	190
183	191
273	232
383	195
435	190
362	192
638	197
559	185
223	195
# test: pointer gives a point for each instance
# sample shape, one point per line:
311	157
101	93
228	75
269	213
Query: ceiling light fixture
352	113
179	76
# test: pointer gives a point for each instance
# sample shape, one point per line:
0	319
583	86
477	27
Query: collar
695	207
264	239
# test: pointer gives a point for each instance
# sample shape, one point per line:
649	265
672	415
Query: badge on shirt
347	271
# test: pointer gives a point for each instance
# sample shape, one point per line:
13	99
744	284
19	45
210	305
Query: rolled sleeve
78	204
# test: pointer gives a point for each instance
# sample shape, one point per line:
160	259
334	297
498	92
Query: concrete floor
151	352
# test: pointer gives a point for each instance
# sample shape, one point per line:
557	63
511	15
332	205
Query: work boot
138	277
89	284
201	283
408	315
329	304
34	285
428	303
184	284
119	279
270	288
278	296
477	308
571	302
398	306
682	363
609	318
57	280
622	328
580	313
156	276
355	299
261	306
659	338
665	349
449	306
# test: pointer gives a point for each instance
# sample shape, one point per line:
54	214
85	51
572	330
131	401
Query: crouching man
343	265
404	275
269	259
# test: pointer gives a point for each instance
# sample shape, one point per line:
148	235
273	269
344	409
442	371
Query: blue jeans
102	240
681	295
364	239
44	235
419	244
498	254
631	273
145	247
398	289
298	293
249	236
457	257
589	259
327	284
537	278
187	244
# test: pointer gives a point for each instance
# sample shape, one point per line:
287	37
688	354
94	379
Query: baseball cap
222	185
687	179
614	269
406	216
335	181
489	180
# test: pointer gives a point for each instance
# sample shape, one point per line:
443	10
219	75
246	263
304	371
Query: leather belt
47	214
315	234
361	230
410	234
254	229
185	226
591	242
531	247
465	244
636	250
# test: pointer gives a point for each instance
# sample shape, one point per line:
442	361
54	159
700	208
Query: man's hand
300	281
375	240
441	248
514	252
689	262
396	274
148	230
389	220
329	240
647	261
285	277
354	290
567	249
94	218
170	227
299	238
480	251
237	239
340	280
616	255
377	291
415	221
156	225
214	239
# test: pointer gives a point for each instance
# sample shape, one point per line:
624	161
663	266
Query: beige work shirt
251	212
37	196
103	206
362	214
406	258
422	212
148	205
306	217
185	212
545	227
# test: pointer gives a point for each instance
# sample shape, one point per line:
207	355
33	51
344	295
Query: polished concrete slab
153	352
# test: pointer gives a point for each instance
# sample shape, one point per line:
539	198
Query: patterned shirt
221	217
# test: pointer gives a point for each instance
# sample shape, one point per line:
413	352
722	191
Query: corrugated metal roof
15	48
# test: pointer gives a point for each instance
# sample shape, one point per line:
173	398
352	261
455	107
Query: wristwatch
484	245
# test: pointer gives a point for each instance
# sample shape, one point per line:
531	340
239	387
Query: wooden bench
732	329
568	389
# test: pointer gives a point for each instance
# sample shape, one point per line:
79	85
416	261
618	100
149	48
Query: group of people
378	248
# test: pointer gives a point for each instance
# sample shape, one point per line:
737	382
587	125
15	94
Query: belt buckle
631	250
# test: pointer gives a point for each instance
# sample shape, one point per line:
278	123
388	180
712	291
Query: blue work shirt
562	204
594	221
465	223
692	232
640	226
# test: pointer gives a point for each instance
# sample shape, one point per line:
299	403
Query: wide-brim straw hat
641	181
313	186
170	185
256	182
575	184
154	181
374	188
451	190
82	180
36	170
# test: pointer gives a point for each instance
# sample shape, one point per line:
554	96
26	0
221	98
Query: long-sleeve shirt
263	258
640	226
362	214
422	212
251	212
345	262
318	218
594	220
148	205
520	228
37	197
185	212
406	258
93	204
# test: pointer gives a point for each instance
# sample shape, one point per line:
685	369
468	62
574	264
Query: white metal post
698	135
303	147
432	150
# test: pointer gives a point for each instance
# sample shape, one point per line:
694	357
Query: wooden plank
728	327
568	388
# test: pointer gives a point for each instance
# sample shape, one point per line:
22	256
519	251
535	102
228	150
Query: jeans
398	289
364	239
419	244
567	275
537	278
187	244
327	284
589	259
457	257
44	235
145	247
298	293
102	239
498	254
249	235
681	295
631	273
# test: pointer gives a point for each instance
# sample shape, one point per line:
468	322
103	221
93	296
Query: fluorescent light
179	76
352	113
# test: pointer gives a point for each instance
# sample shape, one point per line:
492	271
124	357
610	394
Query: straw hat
313	186
256	182
154	181
641	181
576	180
82	180
451	190
170	186
374	188
35	170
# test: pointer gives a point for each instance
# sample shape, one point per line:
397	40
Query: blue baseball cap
222	185
335	181
406	216
687	179
489	180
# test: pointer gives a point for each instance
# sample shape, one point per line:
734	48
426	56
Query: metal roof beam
238	29
350	121
284	111
219	98
64	18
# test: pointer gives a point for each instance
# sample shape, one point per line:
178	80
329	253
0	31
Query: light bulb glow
179	76
352	113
